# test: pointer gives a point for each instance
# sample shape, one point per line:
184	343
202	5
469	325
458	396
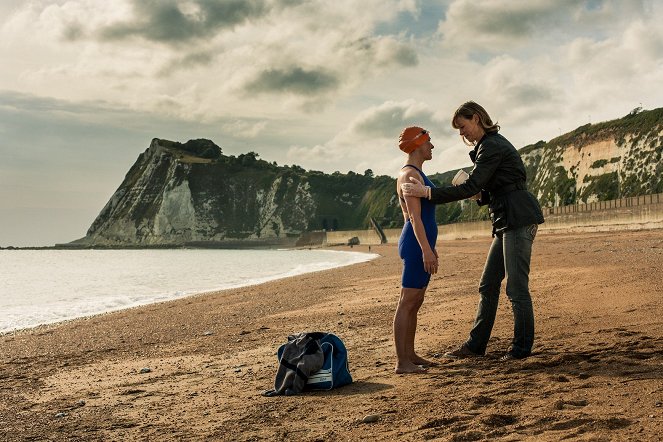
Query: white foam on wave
48	286
300	269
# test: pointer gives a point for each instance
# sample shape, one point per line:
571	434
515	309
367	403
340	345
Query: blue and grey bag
335	371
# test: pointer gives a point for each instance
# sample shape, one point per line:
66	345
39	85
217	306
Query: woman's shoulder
407	172
494	144
495	139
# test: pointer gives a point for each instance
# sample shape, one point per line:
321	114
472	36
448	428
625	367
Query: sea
47	286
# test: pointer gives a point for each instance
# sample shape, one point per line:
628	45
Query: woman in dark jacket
499	178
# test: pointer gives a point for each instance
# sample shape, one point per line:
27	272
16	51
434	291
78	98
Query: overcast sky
328	85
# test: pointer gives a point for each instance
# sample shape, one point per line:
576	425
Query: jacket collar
473	152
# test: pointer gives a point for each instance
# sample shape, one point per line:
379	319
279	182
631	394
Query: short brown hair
468	110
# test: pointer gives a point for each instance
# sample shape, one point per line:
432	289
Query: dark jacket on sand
302	356
499	174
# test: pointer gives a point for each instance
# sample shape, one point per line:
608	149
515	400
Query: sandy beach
195	368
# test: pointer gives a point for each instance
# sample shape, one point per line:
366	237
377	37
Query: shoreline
176	294
596	372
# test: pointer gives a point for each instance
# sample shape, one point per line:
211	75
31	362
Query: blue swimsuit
414	275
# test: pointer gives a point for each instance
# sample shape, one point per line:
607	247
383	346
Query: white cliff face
274	217
636	159
591	160
150	188
608	167
269	223
583	160
304	202
176	215
155	205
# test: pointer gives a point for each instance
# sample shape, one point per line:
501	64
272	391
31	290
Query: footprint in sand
481	401
499	420
468	436
612	423
569	424
570	404
441	422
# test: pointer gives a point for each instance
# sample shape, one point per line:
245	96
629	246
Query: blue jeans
509	256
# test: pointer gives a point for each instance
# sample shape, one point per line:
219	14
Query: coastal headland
195	368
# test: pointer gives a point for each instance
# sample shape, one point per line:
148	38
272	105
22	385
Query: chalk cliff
191	193
178	194
599	162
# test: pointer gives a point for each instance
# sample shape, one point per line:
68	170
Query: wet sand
596	372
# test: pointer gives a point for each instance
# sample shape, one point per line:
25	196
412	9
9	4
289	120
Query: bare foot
418	360
409	367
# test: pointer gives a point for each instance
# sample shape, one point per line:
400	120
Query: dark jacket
499	174
302	356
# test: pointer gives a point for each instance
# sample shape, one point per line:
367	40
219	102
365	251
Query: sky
328	85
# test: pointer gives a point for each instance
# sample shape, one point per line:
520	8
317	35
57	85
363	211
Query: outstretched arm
415	189
488	159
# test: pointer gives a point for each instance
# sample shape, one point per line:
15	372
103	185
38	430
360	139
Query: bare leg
405	325
413	356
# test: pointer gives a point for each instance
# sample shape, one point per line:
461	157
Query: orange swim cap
411	138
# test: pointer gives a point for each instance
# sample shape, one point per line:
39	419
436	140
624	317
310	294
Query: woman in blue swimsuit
416	247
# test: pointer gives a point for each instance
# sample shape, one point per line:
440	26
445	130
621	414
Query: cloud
561	66
293	79
390	52
382	50
304	154
73	32
389	118
240	57
494	27
642	39
489	25
370	139
515	84
337	66
174	22
189	61
244	128
418	19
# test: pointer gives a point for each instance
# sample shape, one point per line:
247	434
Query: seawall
634	213
641	212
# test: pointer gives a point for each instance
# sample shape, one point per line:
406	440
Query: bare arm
417	189
413	206
401	201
